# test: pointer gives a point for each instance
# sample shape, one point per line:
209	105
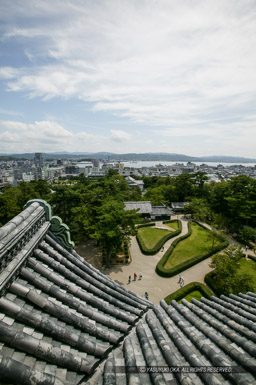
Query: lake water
145	163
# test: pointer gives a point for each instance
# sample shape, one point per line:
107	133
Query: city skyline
128	76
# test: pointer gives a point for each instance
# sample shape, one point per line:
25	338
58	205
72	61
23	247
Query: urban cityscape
14	171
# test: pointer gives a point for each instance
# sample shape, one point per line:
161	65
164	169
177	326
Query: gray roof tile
61	317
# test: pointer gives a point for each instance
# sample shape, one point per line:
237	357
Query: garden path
156	286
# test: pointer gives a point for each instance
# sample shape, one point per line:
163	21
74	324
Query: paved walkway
156	286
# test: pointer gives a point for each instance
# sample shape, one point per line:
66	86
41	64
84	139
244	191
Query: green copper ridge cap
44	204
59	229
61	232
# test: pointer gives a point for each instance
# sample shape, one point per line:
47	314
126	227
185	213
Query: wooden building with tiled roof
62	322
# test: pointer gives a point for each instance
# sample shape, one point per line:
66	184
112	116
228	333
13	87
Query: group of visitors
134	279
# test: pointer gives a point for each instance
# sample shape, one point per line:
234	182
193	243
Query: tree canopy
229	204
226	265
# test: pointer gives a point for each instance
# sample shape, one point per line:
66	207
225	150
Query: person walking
146	295
134	276
129	279
181	279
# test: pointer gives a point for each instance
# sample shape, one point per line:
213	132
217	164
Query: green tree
183	184
217	197
113	227
199	179
241	200
111	172
9	207
200	209
226	265
247	234
156	195
63	199
214	236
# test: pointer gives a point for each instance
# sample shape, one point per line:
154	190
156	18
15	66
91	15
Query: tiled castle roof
58	315
64	322
203	342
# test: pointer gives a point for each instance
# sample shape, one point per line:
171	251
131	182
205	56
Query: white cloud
182	68
8	73
3	111
120	136
50	136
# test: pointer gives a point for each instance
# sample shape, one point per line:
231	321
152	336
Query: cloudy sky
128	76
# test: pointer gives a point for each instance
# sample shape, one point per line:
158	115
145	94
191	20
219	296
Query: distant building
96	163
178	206
134	182
72	170
107	166
38	159
146	210
97	174
28	176
39	173
161	213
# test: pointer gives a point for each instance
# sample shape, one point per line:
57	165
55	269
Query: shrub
145	250
170	221
227	277
252	257
160	266
210	280
246	235
145	225
162	271
184	291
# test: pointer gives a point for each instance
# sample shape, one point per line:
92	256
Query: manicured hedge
212	283
170	221
145	250
184	291
145	225
187	264
252	257
160	266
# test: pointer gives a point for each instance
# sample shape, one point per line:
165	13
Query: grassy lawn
248	267
151	236
197	243
194	294
191	290
173	225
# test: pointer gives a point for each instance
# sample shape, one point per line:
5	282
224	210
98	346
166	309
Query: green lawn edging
187	289
147	251
160	269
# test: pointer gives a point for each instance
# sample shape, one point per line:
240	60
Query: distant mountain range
154	156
